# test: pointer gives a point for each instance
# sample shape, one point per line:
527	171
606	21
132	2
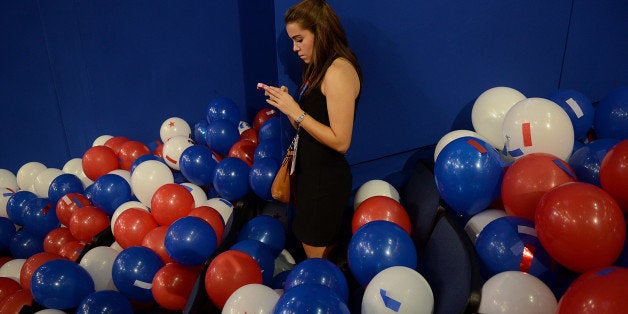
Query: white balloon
516	292
489	110
147	177
398	289
374	188
172	127
99	262
251	298
243	126
44	179
101	140
173	149
12	269
476	224
538	125
50	311
124	206
284	262
27	173
200	197
116	246
8	179
449	137
225	208
124	174
75	166
5	195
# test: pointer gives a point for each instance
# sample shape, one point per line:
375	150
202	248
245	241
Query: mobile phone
261	86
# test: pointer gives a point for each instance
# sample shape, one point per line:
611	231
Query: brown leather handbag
280	188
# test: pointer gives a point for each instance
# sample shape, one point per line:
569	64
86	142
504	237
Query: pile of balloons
381	254
542	183
168	206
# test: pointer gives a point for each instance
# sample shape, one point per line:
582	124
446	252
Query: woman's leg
317	251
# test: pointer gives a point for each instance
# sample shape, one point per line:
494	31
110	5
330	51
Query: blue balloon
261	254
468	174
376	246
197	164
133	271
231	178
200	131
261	177
221	135
64	184
270	129
586	161
578	107
40	216
144	158
190	241
269	149
7	231
310	298
25	244
510	243
222	108
319	271
611	120
267	230
110	191
16	205
279	280
61	284
105	301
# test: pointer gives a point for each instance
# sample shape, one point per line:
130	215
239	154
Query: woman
324	117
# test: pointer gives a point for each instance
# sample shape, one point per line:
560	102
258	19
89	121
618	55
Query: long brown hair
330	39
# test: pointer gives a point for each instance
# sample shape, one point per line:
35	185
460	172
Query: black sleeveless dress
323	181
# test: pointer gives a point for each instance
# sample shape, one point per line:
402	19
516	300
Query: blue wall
72	71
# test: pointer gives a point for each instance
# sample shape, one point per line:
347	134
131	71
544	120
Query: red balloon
263	116
32	263
614	174
529	178
580	226
16	301
68	204
249	135
99	160
72	250
170	202
229	271
380	208
173	284
597	291
129	151
212	217
243	149
56	239
159	150
154	240
115	143
131	227
4	259
7	287
87	222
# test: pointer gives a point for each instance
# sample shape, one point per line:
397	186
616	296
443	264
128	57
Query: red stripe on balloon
527	257
171	160
527	134
477	146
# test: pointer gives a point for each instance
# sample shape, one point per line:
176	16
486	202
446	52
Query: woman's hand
279	98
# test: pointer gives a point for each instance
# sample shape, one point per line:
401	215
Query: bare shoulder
341	73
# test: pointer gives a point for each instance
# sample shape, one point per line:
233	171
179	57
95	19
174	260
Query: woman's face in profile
302	41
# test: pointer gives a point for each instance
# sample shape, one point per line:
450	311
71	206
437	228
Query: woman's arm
341	87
